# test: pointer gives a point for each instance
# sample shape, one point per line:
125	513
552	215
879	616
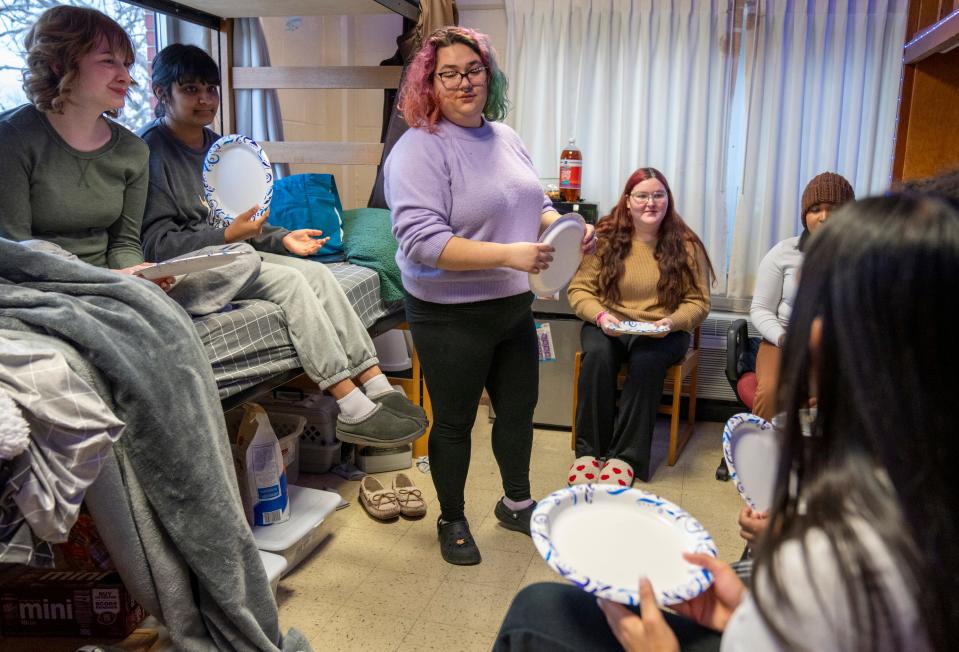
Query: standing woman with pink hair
467	210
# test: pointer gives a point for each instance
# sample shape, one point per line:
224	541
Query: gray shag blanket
178	511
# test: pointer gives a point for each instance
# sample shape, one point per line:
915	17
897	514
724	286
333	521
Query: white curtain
257	111
822	81
637	83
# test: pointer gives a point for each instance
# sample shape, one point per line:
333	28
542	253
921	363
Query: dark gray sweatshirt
176	220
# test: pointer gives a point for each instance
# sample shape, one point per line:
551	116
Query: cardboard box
67	603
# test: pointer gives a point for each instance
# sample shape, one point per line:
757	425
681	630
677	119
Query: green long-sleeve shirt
89	203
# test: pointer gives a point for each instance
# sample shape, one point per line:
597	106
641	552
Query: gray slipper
397	403
379	428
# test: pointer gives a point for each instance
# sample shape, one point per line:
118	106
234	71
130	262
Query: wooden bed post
227	106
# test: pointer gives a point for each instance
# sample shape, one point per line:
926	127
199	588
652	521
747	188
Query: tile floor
384	586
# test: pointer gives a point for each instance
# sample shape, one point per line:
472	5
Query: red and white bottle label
570	172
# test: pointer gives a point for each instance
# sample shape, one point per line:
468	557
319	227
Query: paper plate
751	448
182	266
237	176
566	237
639	328
604	539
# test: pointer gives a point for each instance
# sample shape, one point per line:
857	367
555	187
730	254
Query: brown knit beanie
827	187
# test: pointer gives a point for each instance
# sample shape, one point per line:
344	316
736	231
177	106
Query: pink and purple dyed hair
418	102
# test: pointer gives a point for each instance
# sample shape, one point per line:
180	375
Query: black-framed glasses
453	79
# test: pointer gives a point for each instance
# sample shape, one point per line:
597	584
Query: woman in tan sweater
649	267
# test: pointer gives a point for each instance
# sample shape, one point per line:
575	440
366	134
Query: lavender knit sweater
473	183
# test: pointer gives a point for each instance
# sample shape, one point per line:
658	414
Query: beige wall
350	115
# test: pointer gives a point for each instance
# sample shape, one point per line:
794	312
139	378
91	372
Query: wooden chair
682	375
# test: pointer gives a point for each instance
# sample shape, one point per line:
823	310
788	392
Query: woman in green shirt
71	175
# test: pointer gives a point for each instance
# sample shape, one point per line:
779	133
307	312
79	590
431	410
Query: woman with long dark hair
649	266
859	551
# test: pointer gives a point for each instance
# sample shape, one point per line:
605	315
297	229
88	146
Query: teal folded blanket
368	242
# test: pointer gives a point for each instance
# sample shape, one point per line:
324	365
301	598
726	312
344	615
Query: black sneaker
456	543
513	519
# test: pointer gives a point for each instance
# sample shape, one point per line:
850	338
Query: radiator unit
712	356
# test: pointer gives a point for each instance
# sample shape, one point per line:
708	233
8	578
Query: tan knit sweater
638	290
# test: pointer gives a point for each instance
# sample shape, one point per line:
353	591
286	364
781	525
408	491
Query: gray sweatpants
329	338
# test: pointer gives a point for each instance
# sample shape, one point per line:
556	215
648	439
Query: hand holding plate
532	257
166	282
608	322
713	607
245	226
665	323
589	239
304	242
649	633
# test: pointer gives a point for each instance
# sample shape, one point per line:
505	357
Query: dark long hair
879	282
677	273
181	64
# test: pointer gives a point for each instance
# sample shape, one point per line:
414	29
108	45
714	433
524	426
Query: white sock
377	386
518	505
355	405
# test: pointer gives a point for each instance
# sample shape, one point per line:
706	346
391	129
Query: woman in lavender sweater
467	210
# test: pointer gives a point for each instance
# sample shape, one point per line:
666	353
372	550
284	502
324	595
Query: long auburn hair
418	102
879	280
56	43
677	273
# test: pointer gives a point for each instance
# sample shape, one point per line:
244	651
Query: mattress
250	342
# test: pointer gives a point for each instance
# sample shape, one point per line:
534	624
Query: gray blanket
174	460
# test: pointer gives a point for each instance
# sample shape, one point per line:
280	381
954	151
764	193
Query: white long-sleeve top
776	284
823	617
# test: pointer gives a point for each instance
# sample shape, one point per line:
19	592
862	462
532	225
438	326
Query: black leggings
552	617
464	348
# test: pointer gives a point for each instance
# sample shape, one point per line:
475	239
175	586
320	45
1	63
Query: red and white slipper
616	472
585	470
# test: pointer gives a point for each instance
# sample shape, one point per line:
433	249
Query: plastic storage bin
295	539
288	428
319	448
379	460
274	565
392	351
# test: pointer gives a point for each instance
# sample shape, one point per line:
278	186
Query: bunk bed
250	348
137	542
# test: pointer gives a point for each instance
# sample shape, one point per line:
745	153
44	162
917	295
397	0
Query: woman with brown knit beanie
778	278
648	267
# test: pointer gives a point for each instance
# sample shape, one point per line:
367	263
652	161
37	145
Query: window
16	18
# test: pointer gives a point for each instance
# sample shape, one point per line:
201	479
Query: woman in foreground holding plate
333	346
648	267
859	553
467	209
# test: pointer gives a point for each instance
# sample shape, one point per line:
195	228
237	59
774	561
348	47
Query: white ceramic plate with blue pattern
604	539
236	177
751	448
